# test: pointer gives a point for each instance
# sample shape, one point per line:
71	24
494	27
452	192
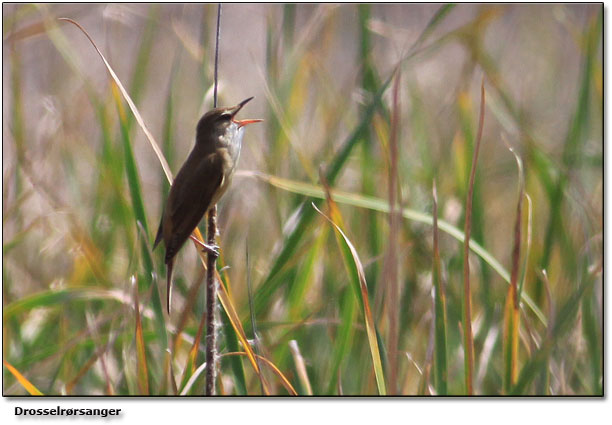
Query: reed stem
211	283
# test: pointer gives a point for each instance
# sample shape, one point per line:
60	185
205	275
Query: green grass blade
343	340
592	330
141	220
272	282
440	350
435	20
131	168
565	317
357	277
141	355
576	137
299	287
231	340
369	83
380	205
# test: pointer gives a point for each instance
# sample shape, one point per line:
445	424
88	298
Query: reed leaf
25	383
377	204
354	269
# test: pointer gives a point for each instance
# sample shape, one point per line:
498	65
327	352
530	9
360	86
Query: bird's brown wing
191	199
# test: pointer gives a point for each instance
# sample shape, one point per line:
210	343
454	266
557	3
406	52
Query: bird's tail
170	265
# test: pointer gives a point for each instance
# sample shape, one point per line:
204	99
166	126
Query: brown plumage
202	180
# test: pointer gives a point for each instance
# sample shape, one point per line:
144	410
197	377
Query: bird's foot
210	249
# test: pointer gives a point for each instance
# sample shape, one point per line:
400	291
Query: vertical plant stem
467	296
211	283
211	304
440	356
511	339
393	297
511	325
217	37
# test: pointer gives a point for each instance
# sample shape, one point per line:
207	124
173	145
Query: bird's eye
226	116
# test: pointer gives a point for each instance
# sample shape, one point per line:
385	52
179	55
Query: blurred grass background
83	191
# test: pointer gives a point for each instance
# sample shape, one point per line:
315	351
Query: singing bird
202	180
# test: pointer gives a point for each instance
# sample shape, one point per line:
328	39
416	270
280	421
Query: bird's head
220	126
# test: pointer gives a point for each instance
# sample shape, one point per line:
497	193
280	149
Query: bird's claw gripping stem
209	249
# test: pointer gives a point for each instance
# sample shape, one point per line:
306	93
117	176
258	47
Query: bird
201	181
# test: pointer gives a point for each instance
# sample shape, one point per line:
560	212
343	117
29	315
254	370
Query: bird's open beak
242	123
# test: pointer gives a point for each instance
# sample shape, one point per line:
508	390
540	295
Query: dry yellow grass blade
193	378
129	101
29	387
274	369
300	365
235	320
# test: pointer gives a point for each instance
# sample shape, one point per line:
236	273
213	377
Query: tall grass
367	300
